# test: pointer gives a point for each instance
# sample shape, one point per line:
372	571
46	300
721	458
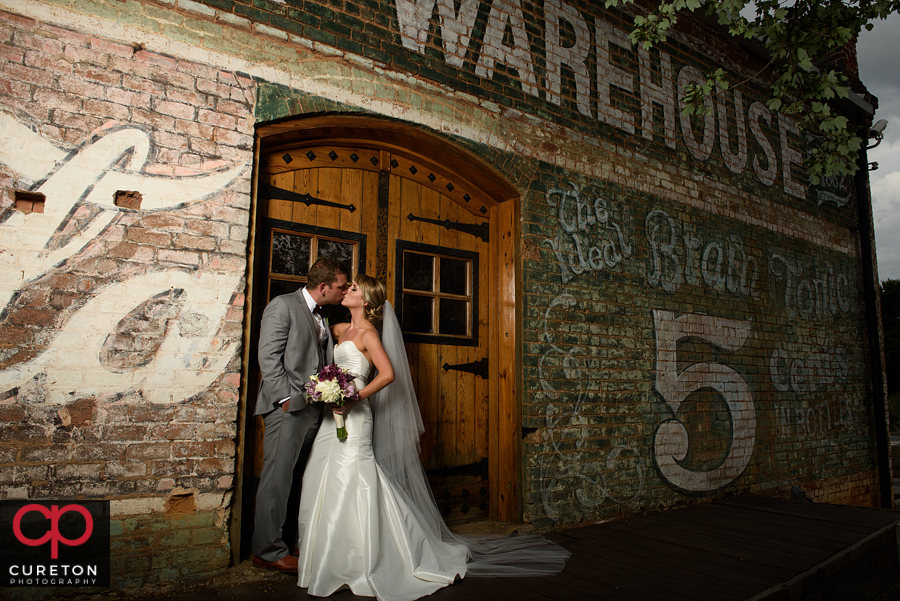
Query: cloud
886	213
878	53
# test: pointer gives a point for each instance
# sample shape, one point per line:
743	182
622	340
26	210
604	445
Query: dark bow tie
318	310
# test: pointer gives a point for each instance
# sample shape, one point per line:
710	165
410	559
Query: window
293	249
438	294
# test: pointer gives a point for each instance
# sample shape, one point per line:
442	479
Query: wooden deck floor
746	548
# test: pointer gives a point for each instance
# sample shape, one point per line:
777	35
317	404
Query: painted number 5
671	441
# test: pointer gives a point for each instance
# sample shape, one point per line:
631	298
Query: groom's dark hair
325	271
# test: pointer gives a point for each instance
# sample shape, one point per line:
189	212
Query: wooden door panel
457	404
330	184
487	287
346	187
466	392
454	403
394	223
427	204
281	209
426	375
445	432
305	182
369	221
351	193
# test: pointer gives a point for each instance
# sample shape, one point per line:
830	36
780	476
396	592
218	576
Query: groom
294	343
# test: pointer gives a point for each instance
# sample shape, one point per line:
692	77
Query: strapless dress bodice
351	359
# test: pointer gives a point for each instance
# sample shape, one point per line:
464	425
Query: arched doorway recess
440	228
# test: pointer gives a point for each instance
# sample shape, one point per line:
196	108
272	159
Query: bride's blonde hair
374	294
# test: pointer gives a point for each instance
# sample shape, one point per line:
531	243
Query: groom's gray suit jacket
289	353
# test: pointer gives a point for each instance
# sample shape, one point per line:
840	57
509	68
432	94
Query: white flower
331	391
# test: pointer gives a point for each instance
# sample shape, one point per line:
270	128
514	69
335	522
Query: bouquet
335	386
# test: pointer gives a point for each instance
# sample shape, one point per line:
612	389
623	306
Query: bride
367	519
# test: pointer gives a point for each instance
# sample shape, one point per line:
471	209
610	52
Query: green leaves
800	36
695	95
803	60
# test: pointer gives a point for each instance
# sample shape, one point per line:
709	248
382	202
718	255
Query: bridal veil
397	428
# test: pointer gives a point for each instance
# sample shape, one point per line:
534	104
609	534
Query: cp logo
53	535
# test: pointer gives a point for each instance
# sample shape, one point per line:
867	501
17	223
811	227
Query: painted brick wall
121	328
674	303
663	258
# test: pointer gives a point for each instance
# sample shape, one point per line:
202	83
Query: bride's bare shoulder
370	337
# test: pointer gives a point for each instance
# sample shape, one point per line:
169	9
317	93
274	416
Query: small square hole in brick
128	199
181	503
30	202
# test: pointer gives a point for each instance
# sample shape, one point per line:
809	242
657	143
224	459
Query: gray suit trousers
288	440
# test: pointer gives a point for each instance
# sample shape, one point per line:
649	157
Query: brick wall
626	341
691	310
119	347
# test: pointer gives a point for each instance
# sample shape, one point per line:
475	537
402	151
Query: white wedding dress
356	529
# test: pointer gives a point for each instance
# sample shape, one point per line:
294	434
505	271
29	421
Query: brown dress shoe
295	551
287	564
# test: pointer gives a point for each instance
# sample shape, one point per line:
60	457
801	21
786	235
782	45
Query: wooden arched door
408	213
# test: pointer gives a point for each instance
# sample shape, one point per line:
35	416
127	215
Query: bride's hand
340	409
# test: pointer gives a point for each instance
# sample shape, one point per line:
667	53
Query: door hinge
479	368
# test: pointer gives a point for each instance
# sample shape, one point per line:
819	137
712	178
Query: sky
878	53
